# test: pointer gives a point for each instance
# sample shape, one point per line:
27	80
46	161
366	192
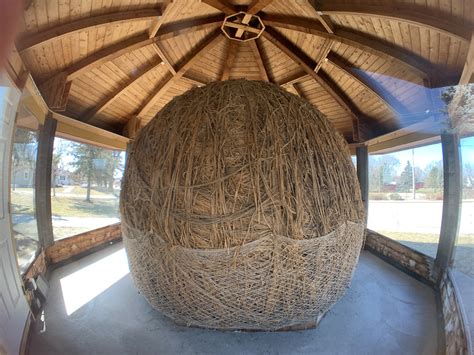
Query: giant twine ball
241	209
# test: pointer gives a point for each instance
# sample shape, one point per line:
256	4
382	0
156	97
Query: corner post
451	199
43	181
362	154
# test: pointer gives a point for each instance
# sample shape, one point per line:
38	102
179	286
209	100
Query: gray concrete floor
384	312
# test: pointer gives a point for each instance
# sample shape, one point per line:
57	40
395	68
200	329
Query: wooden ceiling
367	65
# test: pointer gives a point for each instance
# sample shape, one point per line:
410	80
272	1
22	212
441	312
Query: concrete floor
384	312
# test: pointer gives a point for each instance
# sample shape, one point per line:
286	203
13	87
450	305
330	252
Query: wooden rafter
221	5
323	55
467	75
230	58
32	40
351	38
294	79
402	13
344	66
164	58
178	28
107	54
252	9
324	19
167	7
308	65
297	89
257	54
147	105
107	101
257	6
128	45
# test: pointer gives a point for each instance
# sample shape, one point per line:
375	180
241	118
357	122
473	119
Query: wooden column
451	199
362	155
43	181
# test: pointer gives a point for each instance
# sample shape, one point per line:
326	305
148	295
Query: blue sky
432	153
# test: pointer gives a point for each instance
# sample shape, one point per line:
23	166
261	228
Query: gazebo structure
84	77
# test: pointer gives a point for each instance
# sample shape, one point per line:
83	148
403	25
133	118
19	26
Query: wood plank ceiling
367	65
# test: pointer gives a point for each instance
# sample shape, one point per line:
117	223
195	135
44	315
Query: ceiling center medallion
242	26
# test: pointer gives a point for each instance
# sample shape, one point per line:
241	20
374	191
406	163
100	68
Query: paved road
415	216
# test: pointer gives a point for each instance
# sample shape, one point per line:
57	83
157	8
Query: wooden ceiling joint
308	65
164	57
167	7
354	39
203	48
323	19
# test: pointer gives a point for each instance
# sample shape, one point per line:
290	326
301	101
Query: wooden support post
43	181
362	154
451	199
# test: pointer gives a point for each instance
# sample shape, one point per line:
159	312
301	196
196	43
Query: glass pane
464	252
406	196
25	231
85	187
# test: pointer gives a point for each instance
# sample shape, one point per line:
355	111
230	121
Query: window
464	252
25	230
406	196
85	187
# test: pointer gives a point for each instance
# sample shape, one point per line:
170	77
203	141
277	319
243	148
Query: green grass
78	207
68	206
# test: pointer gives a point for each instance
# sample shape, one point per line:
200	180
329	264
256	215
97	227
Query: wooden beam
467	75
354	39
322	57
294	79
408	137
193	81
29	41
308	65
324	19
221	5
168	7
341	64
107	54
240	32
204	47
108	100
131	128
452	198
43	181
72	128
55	92
298	91
142	40
257	6
230	58
257	54
242	28
164	57
178	28
402	13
